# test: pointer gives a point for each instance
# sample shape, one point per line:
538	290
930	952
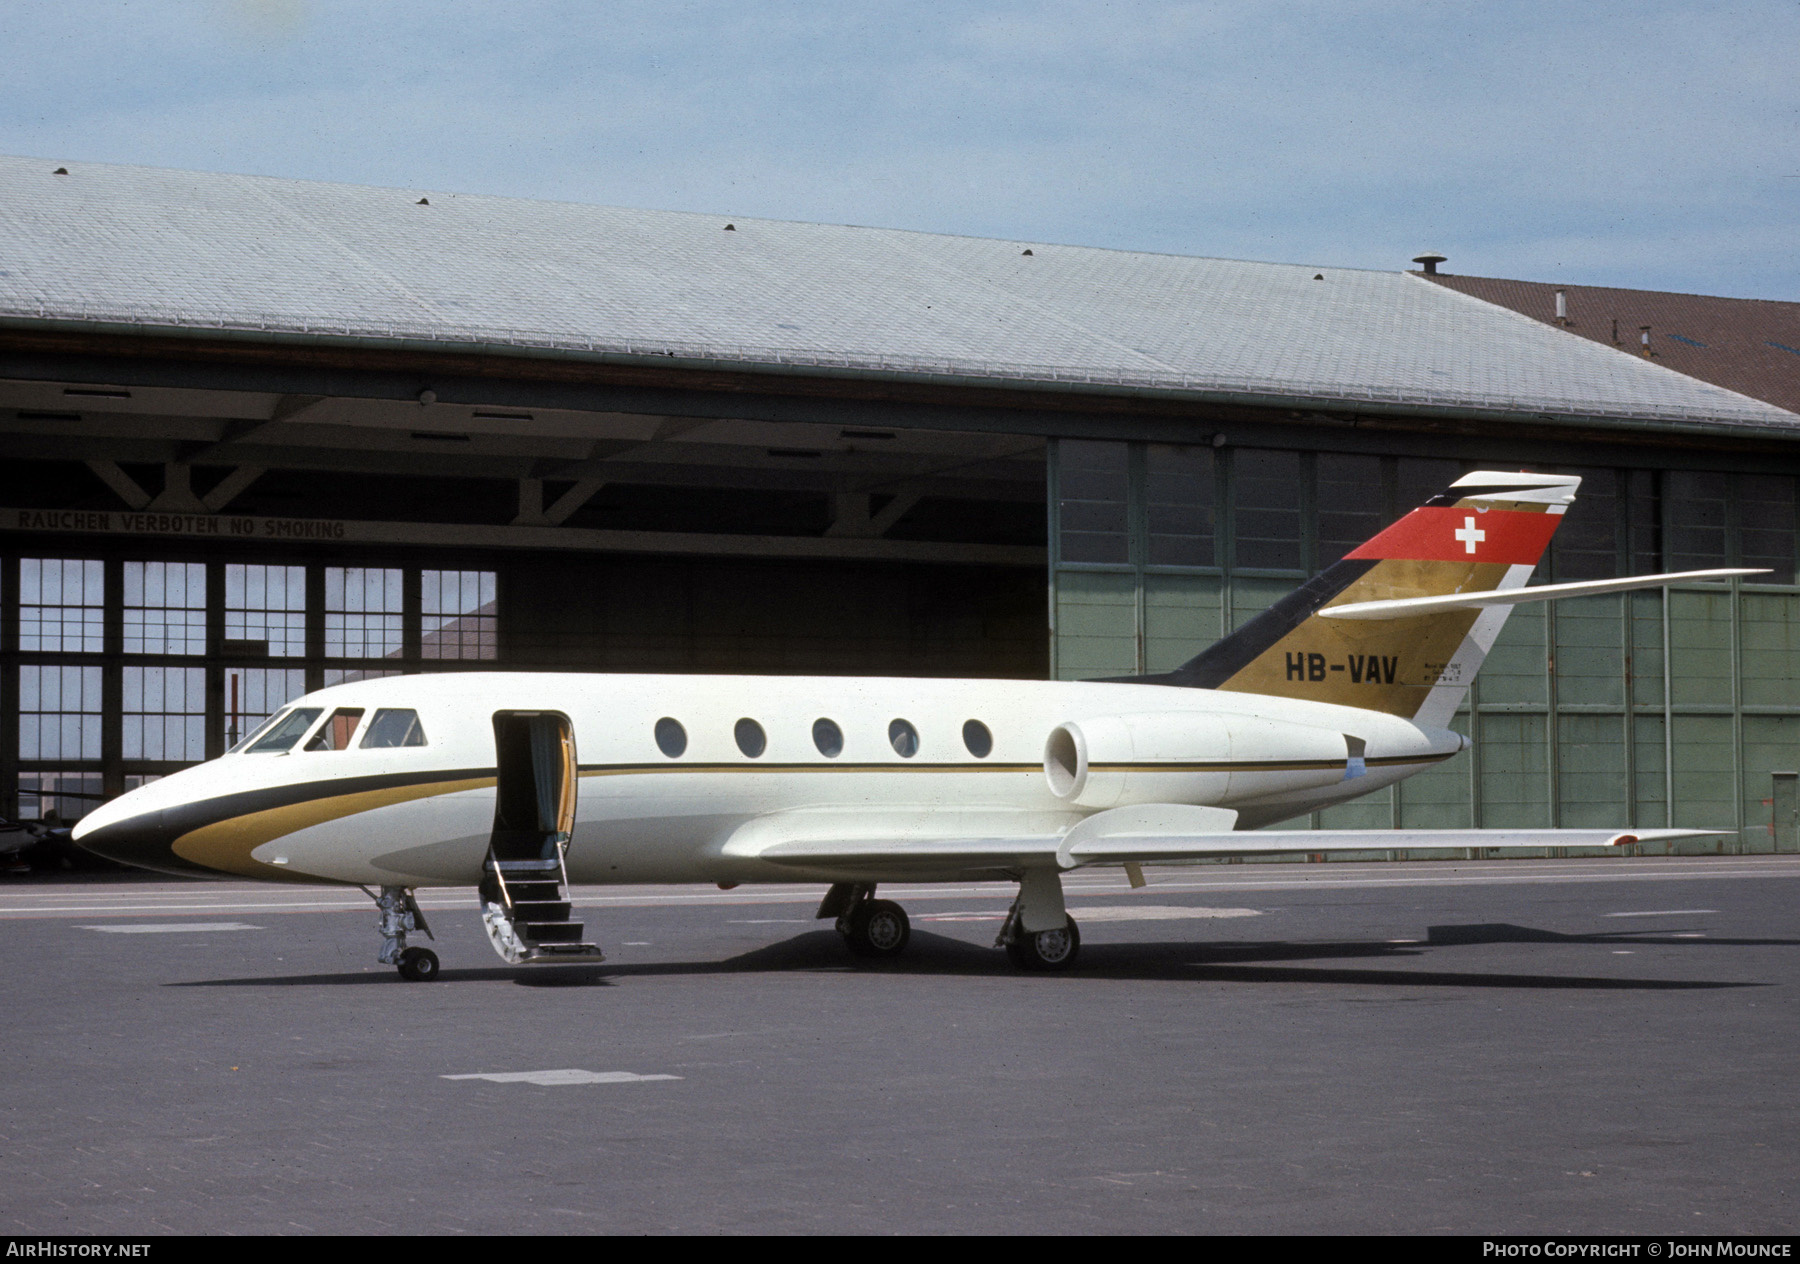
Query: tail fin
1484	533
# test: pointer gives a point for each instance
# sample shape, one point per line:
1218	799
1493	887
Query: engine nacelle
1188	757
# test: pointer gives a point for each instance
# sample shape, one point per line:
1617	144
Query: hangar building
262	435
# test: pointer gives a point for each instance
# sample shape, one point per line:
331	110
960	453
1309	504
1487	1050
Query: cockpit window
335	733
255	733
287	730
394	726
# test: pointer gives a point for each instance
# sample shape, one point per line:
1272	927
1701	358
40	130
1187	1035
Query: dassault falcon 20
1346	685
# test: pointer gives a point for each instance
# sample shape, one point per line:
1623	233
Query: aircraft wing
924	840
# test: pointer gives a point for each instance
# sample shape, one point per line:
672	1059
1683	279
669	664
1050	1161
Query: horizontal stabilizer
1413	607
1276	842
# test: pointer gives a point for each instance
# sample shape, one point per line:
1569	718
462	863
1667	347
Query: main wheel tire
419	965
878	930
1047	950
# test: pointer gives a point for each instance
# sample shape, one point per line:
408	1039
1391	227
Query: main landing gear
1044	950
399	916
874	929
1038	933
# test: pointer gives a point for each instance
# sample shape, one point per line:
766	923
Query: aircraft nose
140	839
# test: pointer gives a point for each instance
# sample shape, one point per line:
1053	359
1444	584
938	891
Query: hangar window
1586	544
1695	503
394	726
904	738
265	610
750	737
63	796
671	738
60	605
165	713
1349	503
1418	478
1643	520
1094	483
59	712
286	731
1179	505
165	608
362	612
1765	505
252	694
459	615
977	738
828	737
1267	510
335	733
350	675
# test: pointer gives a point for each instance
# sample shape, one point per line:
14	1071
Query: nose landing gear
399	916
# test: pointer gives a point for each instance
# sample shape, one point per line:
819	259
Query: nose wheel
418	965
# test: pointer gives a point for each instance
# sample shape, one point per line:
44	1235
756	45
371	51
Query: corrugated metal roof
1747	345
147	248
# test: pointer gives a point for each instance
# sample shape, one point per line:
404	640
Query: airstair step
541	910
526	870
549	932
587	952
534	892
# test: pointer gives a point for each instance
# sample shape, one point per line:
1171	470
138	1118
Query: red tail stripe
1465	535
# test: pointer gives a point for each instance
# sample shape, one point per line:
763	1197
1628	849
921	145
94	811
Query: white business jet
522	783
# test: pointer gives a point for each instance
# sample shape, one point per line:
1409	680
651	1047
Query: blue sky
1644	144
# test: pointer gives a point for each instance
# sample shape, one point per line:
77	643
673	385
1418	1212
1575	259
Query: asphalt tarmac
1603	1046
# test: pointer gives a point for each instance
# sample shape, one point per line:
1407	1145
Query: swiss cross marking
1470	534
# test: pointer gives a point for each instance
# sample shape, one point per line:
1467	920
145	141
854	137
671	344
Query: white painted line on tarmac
1665	913
169	928
557	1079
1154	913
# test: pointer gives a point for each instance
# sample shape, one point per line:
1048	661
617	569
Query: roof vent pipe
1429	261
1562	307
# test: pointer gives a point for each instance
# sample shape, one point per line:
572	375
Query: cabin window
750	737
977	738
335	733
828	737
289	729
671	738
255	733
396	726
904	737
